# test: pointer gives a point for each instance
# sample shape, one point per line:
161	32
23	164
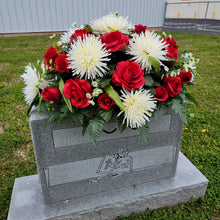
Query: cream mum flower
88	58
147	45
139	105
33	83
110	23
65	38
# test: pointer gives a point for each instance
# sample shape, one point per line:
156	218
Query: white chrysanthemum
88	58
139	105
110	23
147	45
33	83
65	38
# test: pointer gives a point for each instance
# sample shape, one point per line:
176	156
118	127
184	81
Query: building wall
18	16
193	9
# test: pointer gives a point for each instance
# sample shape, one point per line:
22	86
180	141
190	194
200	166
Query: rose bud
61	63
173	85
114	41
79	33
161	94
105	101
139	29
51	54
50	94
185	76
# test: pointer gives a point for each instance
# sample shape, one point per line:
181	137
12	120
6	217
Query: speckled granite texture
27	201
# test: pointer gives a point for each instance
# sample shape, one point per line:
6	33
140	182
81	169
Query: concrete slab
27	201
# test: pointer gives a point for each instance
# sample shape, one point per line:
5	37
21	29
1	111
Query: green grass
200	141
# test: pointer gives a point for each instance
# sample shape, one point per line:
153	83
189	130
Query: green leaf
161	110
77	116
34	103
125	48
182	95
191	98
89	28
106	115
66	100
39	104
143	131
121	125
104	82
85	125
169	59
62	116
95	128
111	29
154	62
53	117
150	82
177	106
114	95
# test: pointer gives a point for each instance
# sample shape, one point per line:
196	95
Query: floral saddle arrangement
110	69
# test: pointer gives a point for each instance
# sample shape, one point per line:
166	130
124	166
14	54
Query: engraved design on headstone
114	166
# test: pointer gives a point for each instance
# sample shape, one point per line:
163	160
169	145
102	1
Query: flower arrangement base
27	200
70	166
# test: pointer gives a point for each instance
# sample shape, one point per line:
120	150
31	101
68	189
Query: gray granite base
27	201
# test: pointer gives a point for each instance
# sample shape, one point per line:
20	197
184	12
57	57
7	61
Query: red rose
185	76
173	85
61	63
129	75
139	29
79	33
172	51
75	90
105	101
51	53
50	94
161	94
114	41
171	42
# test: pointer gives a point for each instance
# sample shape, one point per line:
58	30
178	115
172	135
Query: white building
198	9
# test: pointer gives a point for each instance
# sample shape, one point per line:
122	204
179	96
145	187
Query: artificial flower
50	56
129	75
65	38
114	41
139	29
111	23
147	45
50	94
33	83
88	58
161	94
105	101
173	85
62	63
76	90
185	76
139	106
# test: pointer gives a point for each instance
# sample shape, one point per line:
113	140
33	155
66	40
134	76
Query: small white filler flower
147	45
110	23
139	105
88	58
33	83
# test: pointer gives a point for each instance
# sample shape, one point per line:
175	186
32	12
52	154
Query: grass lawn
200	141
